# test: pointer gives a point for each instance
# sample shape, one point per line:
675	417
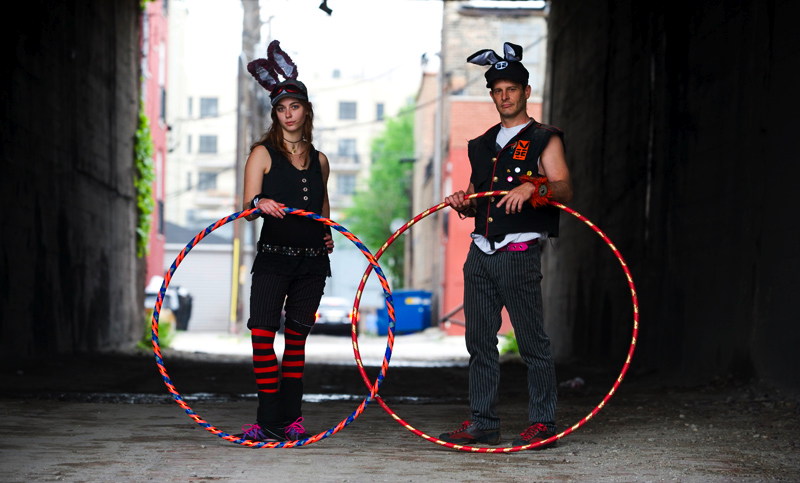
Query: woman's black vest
494	170
295	188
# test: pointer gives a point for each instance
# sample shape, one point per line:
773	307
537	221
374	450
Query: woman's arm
326	206
257	165
326	171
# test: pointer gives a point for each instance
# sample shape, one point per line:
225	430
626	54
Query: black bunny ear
263	73
513	52
484	57
281	61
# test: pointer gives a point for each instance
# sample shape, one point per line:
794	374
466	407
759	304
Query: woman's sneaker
254	432
296	431
468	433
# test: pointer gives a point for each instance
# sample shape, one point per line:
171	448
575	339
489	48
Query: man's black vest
500	171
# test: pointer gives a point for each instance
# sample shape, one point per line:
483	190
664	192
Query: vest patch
521	151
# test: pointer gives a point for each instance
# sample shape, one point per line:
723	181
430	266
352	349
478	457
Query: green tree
144	175
387	193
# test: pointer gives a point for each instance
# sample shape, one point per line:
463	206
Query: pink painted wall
468	119
154	75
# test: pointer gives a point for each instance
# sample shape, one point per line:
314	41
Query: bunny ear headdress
267	72
507	67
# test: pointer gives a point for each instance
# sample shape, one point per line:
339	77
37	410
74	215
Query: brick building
154	93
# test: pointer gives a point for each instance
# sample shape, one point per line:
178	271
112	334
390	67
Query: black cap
288	88
508	67
513	71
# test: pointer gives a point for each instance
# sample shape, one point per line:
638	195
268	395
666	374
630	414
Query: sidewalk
429	347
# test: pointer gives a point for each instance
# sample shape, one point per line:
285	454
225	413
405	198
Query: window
189	144
208	144
347	110
160	217
188	181
208	107
189	109
345	184
206	181
336	73
379	111
347	148
162	111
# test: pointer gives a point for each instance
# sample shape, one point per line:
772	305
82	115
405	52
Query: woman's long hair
274	135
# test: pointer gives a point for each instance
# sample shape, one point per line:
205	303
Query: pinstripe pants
299	295
511	280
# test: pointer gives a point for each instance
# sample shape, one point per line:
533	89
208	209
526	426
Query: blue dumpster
412	309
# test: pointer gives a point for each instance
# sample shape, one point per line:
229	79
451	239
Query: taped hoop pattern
509	449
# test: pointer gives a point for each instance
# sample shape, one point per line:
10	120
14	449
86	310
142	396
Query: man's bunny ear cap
508	67
267	72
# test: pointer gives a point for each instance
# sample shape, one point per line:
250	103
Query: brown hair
274	135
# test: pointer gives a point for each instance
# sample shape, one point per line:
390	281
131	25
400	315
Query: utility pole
247	116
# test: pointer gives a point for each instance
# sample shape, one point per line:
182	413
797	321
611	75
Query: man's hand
270	207
458	201
328	242
516	198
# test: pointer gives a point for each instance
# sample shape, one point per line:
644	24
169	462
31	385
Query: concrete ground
109	417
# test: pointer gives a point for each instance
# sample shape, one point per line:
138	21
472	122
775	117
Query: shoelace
296	427
463	426
251	431
532	431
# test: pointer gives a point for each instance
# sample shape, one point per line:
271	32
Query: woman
289	271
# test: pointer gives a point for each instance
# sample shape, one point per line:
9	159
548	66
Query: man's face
510	98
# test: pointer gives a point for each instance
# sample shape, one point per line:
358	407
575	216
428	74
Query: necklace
299	158
294	144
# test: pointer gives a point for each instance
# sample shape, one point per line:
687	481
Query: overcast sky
361	37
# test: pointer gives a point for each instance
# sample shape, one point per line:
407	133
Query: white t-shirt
506	133
503	136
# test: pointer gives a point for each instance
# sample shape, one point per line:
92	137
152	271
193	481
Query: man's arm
554	165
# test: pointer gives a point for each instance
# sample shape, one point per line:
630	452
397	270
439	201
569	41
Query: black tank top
295	188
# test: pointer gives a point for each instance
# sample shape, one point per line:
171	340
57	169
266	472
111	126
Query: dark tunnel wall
68	269
681	122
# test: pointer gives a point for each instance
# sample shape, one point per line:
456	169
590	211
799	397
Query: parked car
333	316
177	300
167	323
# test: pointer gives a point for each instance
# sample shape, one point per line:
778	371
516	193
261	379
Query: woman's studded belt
292	251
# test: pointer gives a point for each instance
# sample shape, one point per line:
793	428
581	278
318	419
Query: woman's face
291	114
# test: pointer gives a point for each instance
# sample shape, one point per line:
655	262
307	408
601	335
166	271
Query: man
503	267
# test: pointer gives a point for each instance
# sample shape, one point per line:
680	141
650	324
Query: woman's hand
328	242
270	207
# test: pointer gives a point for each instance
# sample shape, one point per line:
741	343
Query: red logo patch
521	152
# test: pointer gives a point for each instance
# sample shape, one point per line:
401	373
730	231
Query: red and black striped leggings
299	296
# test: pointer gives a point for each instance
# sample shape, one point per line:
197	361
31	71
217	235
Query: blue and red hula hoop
262	444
